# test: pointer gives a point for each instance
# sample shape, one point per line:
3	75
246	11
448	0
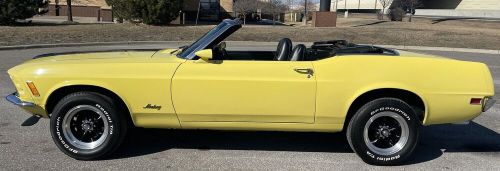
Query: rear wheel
87	125
384	131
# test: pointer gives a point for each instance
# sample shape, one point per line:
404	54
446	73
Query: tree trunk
57	7
70	13
383	13
411	13
274	20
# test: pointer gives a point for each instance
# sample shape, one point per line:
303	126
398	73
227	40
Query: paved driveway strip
459	147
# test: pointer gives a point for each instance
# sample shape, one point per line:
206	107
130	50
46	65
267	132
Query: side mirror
205	54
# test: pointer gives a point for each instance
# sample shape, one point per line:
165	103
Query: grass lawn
421	32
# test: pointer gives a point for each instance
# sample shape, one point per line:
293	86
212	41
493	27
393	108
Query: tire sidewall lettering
374	156
392	109
108	118
59	134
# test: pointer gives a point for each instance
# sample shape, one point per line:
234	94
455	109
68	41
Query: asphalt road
443	147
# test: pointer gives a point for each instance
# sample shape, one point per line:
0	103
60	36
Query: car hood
86	59
109	56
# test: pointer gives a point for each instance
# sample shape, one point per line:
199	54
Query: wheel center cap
385	133
86	127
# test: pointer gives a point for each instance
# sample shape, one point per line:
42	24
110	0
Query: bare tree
289	3
385	4
275	8
309	6
245	7
410	6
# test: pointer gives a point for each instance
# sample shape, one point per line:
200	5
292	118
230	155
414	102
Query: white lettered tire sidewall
102	103
357	125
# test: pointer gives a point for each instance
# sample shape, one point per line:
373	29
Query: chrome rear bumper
489	102
16	101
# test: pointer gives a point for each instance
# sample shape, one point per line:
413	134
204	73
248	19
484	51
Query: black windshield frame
211	38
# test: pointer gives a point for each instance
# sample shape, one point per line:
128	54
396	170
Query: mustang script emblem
150	106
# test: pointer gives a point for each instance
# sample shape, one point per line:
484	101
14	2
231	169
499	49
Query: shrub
152	12
396	14
12	10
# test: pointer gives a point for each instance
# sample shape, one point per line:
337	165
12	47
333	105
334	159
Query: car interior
299	52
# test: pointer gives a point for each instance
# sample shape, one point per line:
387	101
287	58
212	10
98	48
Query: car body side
445	86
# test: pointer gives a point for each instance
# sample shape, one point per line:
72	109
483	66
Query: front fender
45	97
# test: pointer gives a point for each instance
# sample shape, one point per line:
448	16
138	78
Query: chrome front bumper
488	103
16	101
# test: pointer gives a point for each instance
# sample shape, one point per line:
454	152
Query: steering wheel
220	51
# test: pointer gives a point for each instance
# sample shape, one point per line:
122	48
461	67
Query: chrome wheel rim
85	127
386	133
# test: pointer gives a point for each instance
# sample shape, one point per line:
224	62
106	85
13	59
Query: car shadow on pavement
449	138
434	141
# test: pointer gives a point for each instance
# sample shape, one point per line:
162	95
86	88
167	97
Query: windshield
211	38
202	40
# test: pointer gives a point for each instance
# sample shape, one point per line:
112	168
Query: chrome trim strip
489	103
95	51
16	101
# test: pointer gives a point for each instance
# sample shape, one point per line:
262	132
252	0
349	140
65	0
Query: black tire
379	144
89	107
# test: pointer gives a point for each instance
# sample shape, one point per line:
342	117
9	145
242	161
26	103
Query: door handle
304	70
307	71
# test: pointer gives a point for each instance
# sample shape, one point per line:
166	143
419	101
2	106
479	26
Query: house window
209	9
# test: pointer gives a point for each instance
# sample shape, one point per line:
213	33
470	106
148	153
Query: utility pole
325	5
69	12
198	13
57	7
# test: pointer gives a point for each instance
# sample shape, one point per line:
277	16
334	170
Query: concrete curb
249	43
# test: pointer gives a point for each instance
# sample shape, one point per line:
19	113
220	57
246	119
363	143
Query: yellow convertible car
379	97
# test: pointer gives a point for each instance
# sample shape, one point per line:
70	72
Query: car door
244	91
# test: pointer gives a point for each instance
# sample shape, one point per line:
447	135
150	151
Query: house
448	8
209	9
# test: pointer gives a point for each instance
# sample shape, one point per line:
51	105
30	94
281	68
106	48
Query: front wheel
87	125
384	131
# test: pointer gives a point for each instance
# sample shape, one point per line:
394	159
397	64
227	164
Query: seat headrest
298	53
283	50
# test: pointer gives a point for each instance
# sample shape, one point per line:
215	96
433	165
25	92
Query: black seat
298	53
284	49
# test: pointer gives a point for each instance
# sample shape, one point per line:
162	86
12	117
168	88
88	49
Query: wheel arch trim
382	87
83	83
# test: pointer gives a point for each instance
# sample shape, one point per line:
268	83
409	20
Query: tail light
475	101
